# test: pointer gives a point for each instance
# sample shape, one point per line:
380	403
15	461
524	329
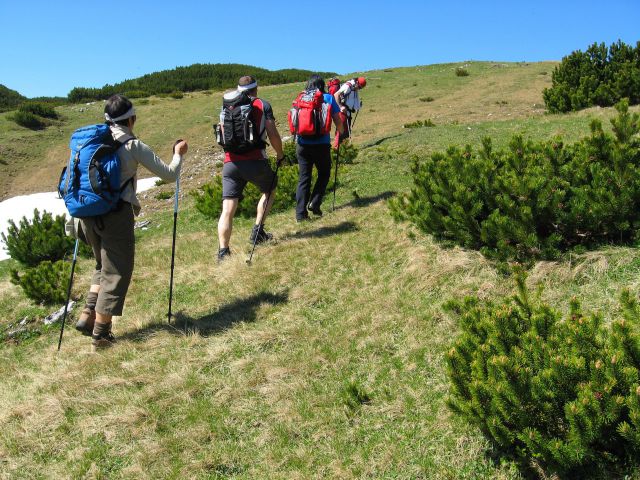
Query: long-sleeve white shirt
135	152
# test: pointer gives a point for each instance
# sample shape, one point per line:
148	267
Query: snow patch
22	206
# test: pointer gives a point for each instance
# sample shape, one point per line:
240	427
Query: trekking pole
173	244
66	305
264	211
354	119
335	178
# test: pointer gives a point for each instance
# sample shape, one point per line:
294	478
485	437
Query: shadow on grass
224	318
361	202
322	232
375	143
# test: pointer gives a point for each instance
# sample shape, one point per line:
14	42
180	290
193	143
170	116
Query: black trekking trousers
308	156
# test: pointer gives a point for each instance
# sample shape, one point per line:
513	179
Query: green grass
325	357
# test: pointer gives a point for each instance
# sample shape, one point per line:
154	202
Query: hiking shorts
236	175
112	239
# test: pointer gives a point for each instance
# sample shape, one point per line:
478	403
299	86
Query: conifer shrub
45	283
462	72
34	241
348	153
39	108
420	124
531	200
599	76
208	200
563	395
27	120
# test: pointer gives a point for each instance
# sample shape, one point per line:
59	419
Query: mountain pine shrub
27	120
561	394
208	200
42	238
348	153
40	109
45	283
600	76
531	200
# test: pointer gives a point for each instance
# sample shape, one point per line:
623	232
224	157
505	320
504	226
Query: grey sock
92	298
101	329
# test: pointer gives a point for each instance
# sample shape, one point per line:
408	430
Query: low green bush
45	283
208	200
164	195
176	95
462	72
348	153
561	394
34	241
532	200
27	120
426	99
39	108
420	124
599	76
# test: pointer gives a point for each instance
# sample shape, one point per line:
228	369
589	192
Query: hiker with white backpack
246	122
310	121
99	187
348	98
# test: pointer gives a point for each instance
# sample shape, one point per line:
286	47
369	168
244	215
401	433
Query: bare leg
225	223
261	211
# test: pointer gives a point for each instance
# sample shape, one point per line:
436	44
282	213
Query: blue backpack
90	183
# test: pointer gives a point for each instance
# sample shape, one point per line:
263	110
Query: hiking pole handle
66	305
264	210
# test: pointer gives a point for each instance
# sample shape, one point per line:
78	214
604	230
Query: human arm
274	138
335	115
146	157
340	95
338	121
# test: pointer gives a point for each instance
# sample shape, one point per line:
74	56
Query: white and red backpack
333	85
310	115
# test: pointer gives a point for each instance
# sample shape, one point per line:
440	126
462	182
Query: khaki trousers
112	240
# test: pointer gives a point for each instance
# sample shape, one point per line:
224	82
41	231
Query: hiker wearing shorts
251	166
111	235
348	99
315	151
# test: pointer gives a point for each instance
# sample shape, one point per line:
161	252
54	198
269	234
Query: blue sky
49	47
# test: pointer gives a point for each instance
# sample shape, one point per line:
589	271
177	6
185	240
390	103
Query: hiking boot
86	321
315	209
105	340
223	253
259	235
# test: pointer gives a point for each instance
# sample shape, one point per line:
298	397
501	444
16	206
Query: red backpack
333	85
310	115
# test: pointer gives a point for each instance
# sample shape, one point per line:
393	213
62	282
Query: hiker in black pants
315	150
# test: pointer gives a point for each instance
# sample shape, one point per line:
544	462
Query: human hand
180	147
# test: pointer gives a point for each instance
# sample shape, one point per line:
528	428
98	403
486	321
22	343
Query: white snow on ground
17	207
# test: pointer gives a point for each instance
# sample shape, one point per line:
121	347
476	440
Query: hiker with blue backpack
99	187
246	122
310	121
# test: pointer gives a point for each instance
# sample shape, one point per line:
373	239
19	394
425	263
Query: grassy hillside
9	99
325	358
